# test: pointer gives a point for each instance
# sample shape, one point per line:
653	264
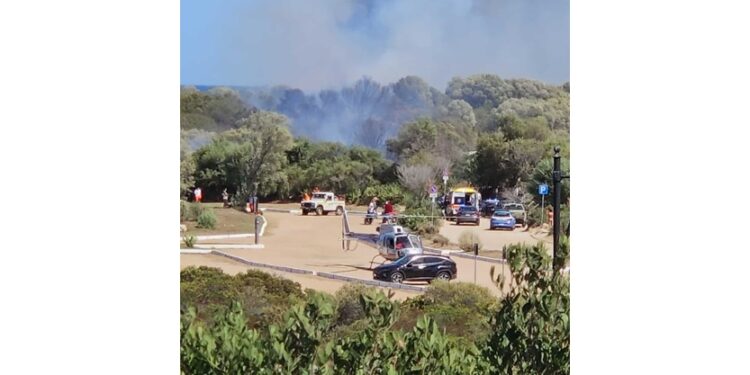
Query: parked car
489	206
517	210
417	267
467	214
323	203
502	219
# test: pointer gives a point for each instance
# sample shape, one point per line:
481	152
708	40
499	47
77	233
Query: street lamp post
257	217
557	178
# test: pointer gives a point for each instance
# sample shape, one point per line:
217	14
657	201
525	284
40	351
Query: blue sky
326	44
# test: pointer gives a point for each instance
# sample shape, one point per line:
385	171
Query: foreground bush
467	239
190	211
528	331
531	329
264	297
299	346
207	219
460	309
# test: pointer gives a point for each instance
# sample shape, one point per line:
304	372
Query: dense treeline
494	133
262	324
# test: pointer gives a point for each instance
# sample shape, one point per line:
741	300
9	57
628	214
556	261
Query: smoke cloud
316	45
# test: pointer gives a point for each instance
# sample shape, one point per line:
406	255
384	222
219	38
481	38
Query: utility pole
557	178
257	217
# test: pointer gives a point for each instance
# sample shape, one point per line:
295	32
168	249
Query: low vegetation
262	324
207	220
467	239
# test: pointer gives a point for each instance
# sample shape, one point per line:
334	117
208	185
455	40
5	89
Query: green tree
502	163
530	332
238	158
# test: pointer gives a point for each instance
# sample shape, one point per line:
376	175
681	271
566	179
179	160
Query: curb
224	236
327	275
263	265
192	251
229	246
282	210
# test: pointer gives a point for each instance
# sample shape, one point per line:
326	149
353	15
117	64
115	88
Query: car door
414	269
431	267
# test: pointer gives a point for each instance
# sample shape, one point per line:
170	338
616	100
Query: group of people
388	210
198	196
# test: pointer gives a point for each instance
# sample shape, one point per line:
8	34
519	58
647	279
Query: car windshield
319	196
501	213
468	209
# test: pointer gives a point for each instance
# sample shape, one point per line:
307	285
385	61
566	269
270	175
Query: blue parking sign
543	189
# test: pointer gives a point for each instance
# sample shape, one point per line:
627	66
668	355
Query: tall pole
257	218
557	186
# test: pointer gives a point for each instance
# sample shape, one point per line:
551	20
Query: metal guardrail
263	265
327	275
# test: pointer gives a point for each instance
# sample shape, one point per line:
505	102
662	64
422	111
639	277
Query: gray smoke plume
316	45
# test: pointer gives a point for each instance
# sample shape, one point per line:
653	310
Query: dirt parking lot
493	239
314	243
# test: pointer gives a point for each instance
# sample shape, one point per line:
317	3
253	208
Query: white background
89	151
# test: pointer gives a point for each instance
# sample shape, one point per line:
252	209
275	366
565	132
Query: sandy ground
314	243
492	239
313	282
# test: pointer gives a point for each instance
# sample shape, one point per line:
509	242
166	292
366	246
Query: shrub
421	225
476	298
391	192
461	309
184	211
207	220
189	240
194	210
467	240
266	297
534	314
440	240
207	289
271	284
348	307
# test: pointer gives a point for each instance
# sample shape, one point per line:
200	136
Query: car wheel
443	275
305	212
319	210
339	211
397	277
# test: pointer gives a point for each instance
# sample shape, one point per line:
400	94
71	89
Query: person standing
198	194
550	217
225	197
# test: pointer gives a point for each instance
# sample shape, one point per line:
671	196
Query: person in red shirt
387	211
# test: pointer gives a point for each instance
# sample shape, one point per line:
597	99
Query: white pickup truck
322	203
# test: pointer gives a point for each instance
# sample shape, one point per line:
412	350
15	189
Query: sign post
433	195
543	190
476	254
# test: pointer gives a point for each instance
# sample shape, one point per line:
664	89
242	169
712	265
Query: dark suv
417	267
467	214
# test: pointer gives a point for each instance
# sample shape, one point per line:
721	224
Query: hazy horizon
329	45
